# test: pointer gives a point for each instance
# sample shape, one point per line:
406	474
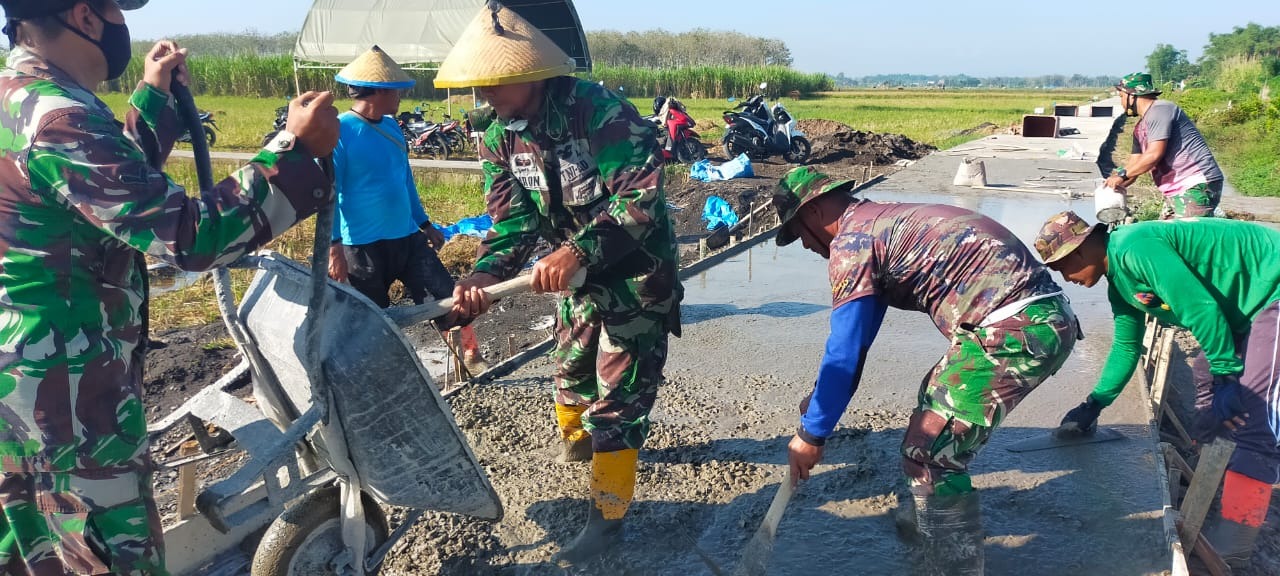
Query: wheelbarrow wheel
307	537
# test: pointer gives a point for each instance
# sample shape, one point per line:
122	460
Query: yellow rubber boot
613	484
577	441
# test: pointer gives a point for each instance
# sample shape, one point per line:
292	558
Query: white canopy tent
418	34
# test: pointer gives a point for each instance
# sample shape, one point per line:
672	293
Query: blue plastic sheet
717	213
476	226
739	167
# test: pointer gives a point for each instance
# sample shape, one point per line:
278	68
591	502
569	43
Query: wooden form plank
1204	487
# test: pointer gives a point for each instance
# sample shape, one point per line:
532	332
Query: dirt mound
815	127
860	148
459	254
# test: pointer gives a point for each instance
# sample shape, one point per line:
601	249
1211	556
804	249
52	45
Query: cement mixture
754	330
720	430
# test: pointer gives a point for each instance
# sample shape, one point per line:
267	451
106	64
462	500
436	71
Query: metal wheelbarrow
374	424
346	418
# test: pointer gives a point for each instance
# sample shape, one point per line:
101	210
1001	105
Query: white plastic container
1110	206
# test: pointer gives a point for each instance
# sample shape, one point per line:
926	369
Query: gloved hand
1081	420
1228	406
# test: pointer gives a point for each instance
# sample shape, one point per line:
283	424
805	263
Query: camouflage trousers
1197	201
612	364
82	522
985	373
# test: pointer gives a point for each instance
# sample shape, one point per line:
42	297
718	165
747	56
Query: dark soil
863	148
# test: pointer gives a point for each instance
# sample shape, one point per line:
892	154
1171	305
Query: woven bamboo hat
374	69
499	48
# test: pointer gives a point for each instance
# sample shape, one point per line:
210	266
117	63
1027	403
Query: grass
1244	134
242	122
929	116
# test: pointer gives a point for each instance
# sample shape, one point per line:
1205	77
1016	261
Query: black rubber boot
578	450
951	530
904	518
1233	541
597	537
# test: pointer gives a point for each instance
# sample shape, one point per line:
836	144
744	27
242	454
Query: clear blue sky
980	38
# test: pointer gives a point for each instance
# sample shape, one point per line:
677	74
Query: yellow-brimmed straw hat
374	69
499	48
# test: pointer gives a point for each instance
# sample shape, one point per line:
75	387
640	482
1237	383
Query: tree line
966	81
648	49
1252	47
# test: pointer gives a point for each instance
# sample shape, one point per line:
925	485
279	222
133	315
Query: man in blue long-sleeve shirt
1009	325
381	233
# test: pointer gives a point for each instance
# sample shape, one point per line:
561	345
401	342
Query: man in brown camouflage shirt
82	198
1009	325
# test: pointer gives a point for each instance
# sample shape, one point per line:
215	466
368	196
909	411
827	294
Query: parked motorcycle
760	132
677	137
423	136
282	120
210	129
456	134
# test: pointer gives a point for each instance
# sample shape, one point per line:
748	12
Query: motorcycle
678	139
210	129
423	136
760	132
282	120
455	134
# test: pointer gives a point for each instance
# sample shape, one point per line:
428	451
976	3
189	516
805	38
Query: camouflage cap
1138	84
1061	235
23	9
799	187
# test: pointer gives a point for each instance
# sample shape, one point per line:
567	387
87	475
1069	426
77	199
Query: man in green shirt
1221	280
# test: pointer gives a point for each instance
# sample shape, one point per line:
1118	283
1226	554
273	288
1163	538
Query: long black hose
188	114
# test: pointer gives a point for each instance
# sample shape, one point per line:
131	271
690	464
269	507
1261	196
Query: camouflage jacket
81	196
590	172
954	264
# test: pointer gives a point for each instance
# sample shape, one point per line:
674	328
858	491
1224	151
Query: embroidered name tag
524	166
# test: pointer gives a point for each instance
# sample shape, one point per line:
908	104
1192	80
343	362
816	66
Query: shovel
760	549
405	316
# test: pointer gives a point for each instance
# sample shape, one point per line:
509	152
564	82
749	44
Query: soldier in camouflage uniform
1010	329
571	163
82	198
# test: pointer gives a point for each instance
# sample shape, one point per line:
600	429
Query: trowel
1068	434
760	548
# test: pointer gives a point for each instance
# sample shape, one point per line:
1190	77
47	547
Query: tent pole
448	101
297	83
474	104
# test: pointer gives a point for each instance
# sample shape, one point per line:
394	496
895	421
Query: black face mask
115	44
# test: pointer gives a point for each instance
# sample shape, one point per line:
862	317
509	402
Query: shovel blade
1053	440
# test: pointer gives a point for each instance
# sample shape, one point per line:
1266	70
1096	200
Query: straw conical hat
511	52
374	69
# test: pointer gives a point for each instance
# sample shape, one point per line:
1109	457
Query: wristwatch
1121	173
283	141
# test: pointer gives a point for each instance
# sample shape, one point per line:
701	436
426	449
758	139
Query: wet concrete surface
755	326
754	330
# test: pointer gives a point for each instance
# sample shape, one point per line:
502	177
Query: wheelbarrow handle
431	310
